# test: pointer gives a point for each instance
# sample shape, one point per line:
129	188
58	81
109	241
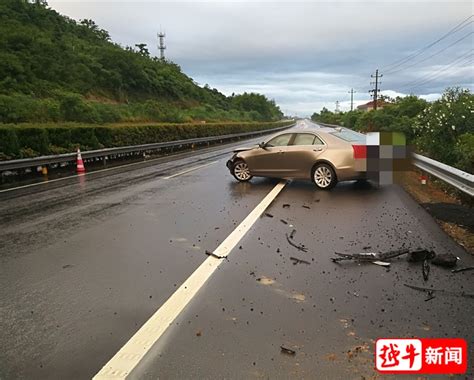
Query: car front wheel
241	171
324	176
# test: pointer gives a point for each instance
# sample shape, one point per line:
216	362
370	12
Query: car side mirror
262	145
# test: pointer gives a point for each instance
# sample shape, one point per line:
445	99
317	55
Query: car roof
308	130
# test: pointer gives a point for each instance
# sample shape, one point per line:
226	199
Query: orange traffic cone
79	163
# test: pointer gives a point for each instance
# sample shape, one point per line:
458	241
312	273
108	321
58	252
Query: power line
438	76
458	27
435	75
431	56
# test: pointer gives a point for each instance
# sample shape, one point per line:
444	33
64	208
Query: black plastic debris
283	221
304	206
426	269
420	255
430	296
447	260
286	205
465	269
299	261
443	291
209	253
299	247
267	214
369	256
287	351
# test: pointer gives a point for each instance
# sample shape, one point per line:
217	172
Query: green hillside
54	69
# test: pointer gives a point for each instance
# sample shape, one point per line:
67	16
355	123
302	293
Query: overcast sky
305	55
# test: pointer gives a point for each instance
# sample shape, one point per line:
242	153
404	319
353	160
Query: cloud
305	55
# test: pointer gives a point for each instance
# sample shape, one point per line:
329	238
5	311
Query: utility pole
337	106
352	92
376	90
161	46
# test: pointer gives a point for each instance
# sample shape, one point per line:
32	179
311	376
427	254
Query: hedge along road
86	262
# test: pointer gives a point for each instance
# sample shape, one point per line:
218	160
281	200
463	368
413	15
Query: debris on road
426	269
430	296
447	292
447	260
299	247
292	235
369	256
267	214
465	269
287	351
283	221
304	206
381	263
420	255
286	205
299	261
209	253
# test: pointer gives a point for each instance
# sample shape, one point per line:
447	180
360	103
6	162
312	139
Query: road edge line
129	356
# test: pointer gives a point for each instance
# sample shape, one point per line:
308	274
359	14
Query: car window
281	140
304	139
318	141
349	136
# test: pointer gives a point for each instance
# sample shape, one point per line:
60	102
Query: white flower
453	127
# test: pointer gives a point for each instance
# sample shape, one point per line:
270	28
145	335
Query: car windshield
350	136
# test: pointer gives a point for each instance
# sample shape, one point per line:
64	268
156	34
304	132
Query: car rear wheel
324	176
241	171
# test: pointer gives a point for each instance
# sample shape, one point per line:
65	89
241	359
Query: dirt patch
454	217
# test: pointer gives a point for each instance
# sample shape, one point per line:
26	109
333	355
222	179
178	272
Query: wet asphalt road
85	262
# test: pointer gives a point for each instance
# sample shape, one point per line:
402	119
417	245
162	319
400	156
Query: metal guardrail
70	157
327	125
461	180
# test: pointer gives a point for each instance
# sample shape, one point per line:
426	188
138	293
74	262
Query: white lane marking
190	170
129	356
83	174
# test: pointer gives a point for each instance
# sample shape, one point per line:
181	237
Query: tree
143	50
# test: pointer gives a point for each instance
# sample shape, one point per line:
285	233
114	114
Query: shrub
9	142
33	138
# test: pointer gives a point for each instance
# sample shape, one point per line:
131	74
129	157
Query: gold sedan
323	155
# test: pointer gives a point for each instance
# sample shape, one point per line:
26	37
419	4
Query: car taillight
360	151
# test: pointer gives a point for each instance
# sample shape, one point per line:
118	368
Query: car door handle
317	149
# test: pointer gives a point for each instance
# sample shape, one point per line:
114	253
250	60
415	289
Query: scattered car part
299	247
369	256
425	268
420	255
447	292
209	253
299	261
465	269
287	351
447	260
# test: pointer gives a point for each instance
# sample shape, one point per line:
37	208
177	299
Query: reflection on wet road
84	266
